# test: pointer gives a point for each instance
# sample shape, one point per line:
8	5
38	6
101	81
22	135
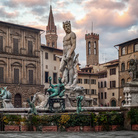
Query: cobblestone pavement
114	134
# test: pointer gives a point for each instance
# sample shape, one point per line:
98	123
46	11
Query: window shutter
16	76
1	43
30	76
30	48
15	46
1	75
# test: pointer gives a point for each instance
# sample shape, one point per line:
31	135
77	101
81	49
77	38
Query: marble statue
32	106
69	45
79	106
133	69
6	97
5	94
40	99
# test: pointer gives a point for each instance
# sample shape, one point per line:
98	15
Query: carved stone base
131	93
72	93
7	103
57	104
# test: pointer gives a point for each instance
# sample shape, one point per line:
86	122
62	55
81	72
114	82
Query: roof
128	42
112	65
22	26
52	48
101	72
87	73
86	68
112	61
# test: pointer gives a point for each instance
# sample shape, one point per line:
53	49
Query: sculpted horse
40	99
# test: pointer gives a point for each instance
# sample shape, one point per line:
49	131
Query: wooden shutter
1	75
30	48
1	43
16	76
30	76
15	46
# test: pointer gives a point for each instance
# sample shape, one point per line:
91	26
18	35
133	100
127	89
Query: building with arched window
127	50
92	49
20	61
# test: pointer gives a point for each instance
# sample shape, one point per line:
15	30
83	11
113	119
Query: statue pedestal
131	94
56	104
72	93
7	103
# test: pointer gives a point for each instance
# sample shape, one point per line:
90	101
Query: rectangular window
113	71
15	46
80	81
30	76
98	84
93	91
46	77
16	76
93	81
46	55
1	43
54	57
1	75
112	84
104	83
101	84
123	51
105	95
54	77
85	81
101	95
30	48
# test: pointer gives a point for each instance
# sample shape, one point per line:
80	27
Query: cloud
27	3
6	14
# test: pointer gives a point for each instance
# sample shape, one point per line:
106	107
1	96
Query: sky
115	21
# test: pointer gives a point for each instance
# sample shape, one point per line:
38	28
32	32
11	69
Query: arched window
94	48
113	103
53	44
123	67
122	82
89	48
17	101
135	47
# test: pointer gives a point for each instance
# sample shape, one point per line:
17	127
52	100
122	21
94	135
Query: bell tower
92	49
51	31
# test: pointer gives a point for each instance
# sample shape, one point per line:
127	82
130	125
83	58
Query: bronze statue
32	106
133	69
79	106
58	91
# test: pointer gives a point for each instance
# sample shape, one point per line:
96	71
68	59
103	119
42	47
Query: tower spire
51	31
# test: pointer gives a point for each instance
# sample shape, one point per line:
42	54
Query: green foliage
12	119
133	115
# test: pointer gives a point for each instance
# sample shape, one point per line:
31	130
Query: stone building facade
127	50
108	83
20	68
50	65
92	49
89	81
